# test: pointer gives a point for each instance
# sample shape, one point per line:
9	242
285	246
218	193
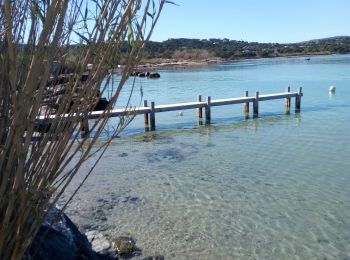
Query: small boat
307	59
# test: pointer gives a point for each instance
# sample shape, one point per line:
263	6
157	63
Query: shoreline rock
101	245
147	74
125	247
59	238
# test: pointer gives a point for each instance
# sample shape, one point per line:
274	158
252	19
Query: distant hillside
331	40
231	49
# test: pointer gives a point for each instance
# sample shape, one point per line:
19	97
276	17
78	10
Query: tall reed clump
34	36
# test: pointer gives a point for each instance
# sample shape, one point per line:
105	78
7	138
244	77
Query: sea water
273	187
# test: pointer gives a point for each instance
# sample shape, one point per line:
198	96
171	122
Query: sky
275	21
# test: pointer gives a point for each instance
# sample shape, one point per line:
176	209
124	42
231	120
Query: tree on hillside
35	49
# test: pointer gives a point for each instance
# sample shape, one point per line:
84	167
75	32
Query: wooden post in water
84	128
246	106
199	111
207	111
287	102
146	117
298	100
256	104
152	117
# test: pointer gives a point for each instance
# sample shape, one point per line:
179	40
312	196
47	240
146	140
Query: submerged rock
125	246
171	154
130	199
123	154
157	257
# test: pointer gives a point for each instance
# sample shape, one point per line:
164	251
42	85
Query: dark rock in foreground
58	238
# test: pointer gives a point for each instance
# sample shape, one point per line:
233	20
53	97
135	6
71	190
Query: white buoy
332	89
181	114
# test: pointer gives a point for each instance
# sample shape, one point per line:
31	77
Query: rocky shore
57	88
59	238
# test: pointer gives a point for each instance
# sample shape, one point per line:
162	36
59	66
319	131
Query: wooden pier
149	110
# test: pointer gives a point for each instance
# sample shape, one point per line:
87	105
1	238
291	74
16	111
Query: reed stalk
35	35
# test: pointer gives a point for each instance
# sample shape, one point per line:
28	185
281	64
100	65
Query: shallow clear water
275	187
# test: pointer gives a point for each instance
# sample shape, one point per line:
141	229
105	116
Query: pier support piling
207	111
256	104
298	100
246	106
287	102
153	117
199	112
84	128
146	117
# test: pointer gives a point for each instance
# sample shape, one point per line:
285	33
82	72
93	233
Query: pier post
246	106
256	104
287	102
152	117
298	100
84	128
199	112
146	117
207	111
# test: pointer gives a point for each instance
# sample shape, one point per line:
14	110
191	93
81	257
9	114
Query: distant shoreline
181	64
187	64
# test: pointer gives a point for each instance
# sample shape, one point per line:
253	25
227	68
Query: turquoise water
275	187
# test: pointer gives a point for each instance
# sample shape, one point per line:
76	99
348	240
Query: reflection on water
273	187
